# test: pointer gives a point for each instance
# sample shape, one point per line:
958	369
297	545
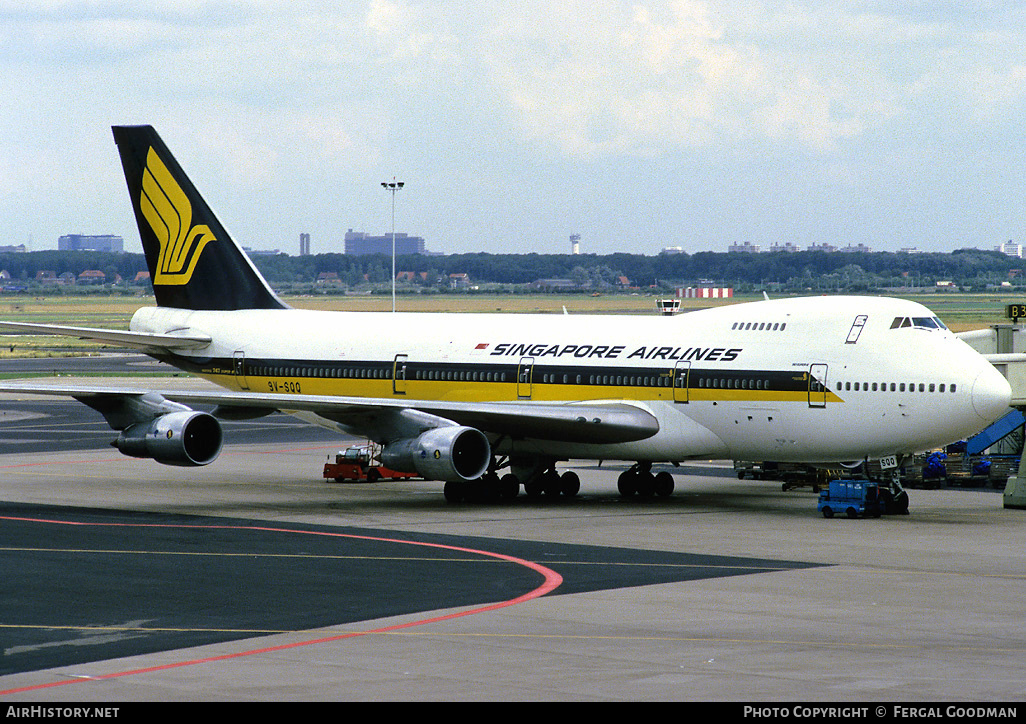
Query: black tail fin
193	262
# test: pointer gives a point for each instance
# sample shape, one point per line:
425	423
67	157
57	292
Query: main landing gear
639	481
490	487
542	480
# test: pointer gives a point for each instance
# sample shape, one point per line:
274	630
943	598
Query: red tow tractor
360	464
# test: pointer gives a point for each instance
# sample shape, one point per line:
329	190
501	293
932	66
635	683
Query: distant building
745	248
553	284
704	292
81	242
860	248
822	247
786	247
411	276
1011	249
575	243
92	276
359	243
671	250
304	245
17	249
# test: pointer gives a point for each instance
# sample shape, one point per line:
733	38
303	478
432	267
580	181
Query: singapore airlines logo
169	213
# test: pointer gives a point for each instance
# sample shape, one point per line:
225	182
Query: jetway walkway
1005	346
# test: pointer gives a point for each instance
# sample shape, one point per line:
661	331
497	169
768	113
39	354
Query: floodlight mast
392	186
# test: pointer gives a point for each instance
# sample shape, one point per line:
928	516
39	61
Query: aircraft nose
991	394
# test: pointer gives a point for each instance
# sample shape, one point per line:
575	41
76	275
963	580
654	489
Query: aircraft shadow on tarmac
80	585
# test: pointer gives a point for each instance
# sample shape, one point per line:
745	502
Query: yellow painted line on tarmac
699	639
141	629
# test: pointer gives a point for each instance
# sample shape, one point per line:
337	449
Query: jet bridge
1005	346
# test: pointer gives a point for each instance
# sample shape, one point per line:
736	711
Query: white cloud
276	98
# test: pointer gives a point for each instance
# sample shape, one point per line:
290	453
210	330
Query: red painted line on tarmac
551	581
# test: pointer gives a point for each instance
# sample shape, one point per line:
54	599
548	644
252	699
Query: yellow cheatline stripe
507	391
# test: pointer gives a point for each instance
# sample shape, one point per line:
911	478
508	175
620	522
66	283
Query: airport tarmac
727	591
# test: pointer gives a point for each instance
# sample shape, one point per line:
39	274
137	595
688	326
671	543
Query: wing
384	419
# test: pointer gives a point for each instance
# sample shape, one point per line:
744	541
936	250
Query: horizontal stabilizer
186	339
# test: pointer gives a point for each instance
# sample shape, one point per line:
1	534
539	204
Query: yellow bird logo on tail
169	213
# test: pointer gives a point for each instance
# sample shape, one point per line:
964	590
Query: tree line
799	271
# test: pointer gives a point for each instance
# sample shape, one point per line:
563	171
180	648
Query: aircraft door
681	380
399	374
856	329
239	367
525	371
818	385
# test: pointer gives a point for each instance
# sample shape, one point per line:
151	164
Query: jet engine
452	454
187	438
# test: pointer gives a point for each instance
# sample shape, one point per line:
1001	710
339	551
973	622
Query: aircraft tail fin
193	262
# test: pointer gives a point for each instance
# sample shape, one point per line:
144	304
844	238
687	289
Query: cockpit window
918	322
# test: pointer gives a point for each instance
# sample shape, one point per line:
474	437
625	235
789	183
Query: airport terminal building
359	243
81	242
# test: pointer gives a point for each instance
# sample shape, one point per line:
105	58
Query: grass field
960	312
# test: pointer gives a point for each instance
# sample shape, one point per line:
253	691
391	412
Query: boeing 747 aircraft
459	397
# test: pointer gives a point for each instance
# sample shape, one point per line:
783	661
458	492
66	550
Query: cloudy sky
639	125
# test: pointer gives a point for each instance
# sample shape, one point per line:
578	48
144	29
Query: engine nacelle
452	454
186	438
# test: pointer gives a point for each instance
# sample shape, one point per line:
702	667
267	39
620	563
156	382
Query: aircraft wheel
569	484
534	488
663	484
454	492
646	485
550	483
509	486
627	483
490	486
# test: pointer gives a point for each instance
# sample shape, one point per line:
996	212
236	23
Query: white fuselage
821	379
